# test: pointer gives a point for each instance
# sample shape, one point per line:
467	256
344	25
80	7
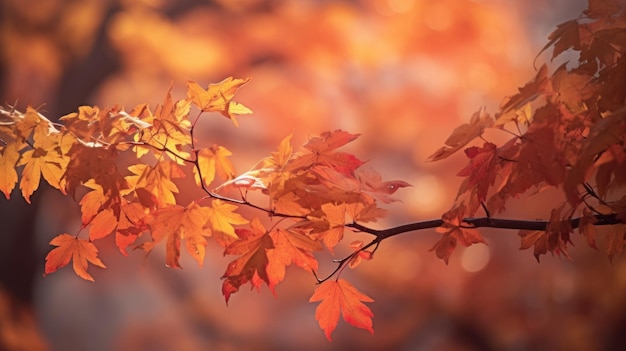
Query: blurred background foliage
403	73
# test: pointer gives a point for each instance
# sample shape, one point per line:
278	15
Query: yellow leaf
222	217
217	97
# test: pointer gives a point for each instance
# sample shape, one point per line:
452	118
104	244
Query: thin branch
482	222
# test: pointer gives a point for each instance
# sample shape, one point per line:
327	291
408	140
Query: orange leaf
175	223
211	161
93	162
221	217
341	297
218	97
454	231
463	134
322	151
362	255
372	183
47	159
156	180
587	227
79	251
8	175
530	91
251	266
102	224
290	247
331	226
131	225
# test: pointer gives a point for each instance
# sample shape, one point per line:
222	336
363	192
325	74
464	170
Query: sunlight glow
475	258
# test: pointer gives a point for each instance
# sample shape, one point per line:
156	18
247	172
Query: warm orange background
403	73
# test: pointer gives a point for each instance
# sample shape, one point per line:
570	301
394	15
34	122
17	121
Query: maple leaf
454	231
252	246
330	226
609	131
565	36
48	158
340	297
175	223
290	246
8	176
102	224
322	151
70	248
572	88
93	163
156	180
211	161
529	92
130	225
463	134
280	158
372	182
169	131
540	158
615	240
218	98
221	217
361	255
587	228
481	170
554	239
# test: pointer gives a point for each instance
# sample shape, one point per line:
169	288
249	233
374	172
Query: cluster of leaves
568	132
310	195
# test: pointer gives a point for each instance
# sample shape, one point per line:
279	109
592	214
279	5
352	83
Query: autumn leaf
221	218
70	248
361	254
102	224
8	176
93	162
175	223
454	231
47	158
218	98
372	182
252	246
213	161
554	239
481	170
463	134
280	158
330	226
529	92
340	297
540	159
322	151
130	225
615	240
565	36
290	247
587	228
156	180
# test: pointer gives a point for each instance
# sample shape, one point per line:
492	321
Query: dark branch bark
482	222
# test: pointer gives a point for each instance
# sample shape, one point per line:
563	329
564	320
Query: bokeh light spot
474	258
